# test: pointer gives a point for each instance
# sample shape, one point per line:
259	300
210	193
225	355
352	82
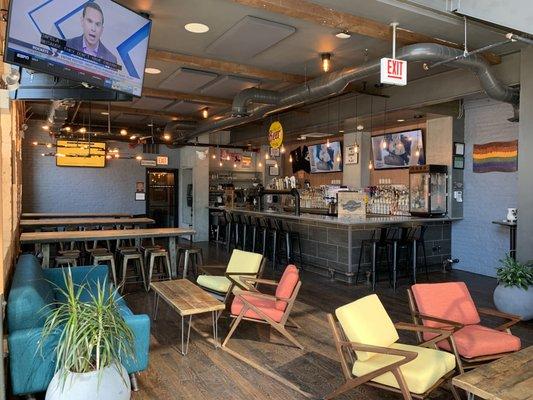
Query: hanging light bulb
227	158
370	165
68	129
290	158
46	127
260	164
214	156
360	127
108	156
384	144
282	150
139	158
205	113
328	143
417	152
234	165
83	130
338	158
166	137
326	61
267	156
123	132
220	164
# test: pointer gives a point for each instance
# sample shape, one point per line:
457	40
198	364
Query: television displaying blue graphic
97	42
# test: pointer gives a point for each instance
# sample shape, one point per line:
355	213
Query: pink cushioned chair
449	305
251	305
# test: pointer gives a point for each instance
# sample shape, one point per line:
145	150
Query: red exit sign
393	71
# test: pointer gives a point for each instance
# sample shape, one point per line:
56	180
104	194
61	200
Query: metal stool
136	257
192	254
378	241
291	237
409	240
162	255
66	260
106	257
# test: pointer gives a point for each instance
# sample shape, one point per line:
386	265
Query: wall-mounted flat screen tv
325	159
96	42
398	150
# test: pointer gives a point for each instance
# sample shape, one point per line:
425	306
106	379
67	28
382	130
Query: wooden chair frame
463	363
234	279
346	350
251	290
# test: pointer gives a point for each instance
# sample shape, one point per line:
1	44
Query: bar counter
331	245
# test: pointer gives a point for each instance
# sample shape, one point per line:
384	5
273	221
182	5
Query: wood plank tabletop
186	298
54	237
509	378
47	222
76	215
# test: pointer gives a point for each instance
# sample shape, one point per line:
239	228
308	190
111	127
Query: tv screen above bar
98	43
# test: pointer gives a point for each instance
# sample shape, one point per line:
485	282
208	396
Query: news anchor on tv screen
92	23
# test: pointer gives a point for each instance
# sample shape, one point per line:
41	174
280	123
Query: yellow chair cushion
420	374
240	262
365	321
244	261
219	284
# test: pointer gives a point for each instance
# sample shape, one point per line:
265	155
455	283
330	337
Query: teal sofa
30	301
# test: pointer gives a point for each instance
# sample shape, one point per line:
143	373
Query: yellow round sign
275	135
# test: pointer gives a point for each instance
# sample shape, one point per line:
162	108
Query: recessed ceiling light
401	120
196	27
152	71
344	35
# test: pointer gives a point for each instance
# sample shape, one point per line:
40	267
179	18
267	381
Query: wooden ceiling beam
315	13
225	67
190	97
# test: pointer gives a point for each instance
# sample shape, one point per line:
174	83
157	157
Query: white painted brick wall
477	242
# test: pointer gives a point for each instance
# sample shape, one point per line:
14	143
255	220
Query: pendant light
370	163
326	61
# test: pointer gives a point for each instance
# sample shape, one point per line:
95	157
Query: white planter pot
111	383
514	300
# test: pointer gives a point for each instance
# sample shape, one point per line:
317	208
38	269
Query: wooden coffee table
509	378
188	300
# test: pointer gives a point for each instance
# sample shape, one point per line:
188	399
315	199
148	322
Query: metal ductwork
58	113
335	82
179	130
253	95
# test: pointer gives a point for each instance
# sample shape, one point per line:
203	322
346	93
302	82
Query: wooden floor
261	365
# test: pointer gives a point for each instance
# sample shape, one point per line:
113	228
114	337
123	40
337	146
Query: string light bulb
370	165
267	156
46	127
220	164
417	152
290	158
68	129
282	150
326	61
234	165
139	158
83	130
166	137
214	156
205	113
260	164
338	158
123	132
384	144
328	143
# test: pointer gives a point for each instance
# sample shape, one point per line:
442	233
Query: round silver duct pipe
335	82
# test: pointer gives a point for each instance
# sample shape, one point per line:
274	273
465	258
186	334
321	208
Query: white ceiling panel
152	103
187	80
228	86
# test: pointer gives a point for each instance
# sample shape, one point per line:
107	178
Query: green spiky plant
515	274
92	335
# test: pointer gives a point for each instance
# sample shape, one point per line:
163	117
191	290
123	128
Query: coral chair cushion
265	305
476	340
450	300
365	321
420	374
286	286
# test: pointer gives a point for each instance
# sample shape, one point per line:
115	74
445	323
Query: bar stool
107	258
290	237
377	242
192	255
162	256
137	258
247	226
75	254
66	260
217	221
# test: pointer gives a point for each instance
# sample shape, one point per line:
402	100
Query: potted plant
93	341
514	293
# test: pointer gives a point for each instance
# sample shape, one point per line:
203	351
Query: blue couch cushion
31	297
91	277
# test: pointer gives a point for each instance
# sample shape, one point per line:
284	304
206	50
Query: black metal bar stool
378	242
292	238
407	242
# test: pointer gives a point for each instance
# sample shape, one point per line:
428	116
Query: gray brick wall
477	242
48	188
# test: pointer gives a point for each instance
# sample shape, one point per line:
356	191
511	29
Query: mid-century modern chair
450	306
252	305
241	264
367	344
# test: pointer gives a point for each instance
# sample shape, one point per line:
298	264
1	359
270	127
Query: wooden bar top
75	215
54	237
47	222
186	298
509	378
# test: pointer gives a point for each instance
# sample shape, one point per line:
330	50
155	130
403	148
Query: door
162	199
187	199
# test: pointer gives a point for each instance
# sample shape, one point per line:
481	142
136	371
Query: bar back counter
331	245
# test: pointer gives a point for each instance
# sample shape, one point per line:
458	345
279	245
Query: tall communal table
75	215
38	224
47	238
